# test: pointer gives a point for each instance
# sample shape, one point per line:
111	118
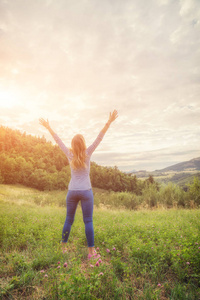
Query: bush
1	178
150	195
167	195
194	191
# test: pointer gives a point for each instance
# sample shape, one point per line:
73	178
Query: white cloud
73	62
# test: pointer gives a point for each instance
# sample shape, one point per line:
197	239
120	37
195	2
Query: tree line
35	162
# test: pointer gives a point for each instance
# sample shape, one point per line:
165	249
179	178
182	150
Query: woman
80	188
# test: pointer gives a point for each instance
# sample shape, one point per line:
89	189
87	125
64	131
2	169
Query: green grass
153	254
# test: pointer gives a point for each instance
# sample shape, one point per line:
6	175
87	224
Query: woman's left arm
47	126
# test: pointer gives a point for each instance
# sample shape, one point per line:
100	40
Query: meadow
145	254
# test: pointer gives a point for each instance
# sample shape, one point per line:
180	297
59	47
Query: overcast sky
75	61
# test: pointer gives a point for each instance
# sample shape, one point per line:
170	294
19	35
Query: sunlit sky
75	61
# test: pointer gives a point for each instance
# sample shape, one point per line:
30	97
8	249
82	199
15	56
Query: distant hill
181	174
193	165
180	178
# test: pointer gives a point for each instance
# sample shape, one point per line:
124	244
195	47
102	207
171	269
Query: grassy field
147	254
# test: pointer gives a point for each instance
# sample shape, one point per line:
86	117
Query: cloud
146	160
73	62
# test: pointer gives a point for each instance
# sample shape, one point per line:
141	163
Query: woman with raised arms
80	188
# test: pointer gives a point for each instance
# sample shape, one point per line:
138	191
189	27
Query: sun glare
8	99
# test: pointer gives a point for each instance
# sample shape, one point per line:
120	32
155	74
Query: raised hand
113	116
44	123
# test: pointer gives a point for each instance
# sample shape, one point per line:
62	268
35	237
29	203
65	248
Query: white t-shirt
80	178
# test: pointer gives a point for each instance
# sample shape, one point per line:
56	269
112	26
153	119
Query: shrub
170	195
150	195
194	191
1	178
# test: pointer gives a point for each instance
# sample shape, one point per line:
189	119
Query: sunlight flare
9	98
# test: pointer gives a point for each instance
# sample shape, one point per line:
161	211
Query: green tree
194	191
1	178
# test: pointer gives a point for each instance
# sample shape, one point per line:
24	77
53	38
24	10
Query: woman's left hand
44	123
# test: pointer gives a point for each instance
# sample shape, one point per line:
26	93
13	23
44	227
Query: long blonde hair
78	148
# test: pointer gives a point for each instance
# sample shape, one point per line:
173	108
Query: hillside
181	174
182	179
193	164
34	162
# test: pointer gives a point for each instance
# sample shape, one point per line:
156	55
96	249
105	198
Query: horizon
126	170
73	64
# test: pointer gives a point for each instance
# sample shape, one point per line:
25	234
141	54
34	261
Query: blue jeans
87	200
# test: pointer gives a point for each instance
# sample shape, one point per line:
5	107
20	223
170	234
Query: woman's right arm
55	136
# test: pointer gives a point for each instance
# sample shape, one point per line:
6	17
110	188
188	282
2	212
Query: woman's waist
80	183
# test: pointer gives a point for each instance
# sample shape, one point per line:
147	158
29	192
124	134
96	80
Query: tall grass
146	254
152	196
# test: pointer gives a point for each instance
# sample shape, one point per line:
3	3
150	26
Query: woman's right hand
44	123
